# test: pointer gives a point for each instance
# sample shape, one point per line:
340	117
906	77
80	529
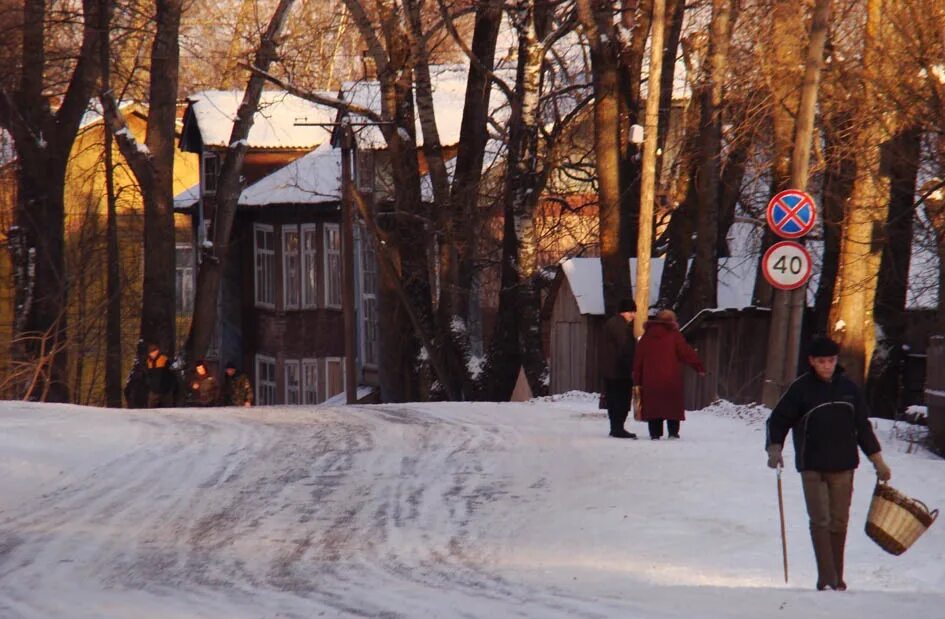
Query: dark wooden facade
935	390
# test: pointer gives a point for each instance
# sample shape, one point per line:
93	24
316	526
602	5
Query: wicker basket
895	521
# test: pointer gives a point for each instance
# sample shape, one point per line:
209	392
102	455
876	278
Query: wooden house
85	246
280	307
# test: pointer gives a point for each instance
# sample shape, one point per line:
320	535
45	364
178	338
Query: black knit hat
822	346
626	305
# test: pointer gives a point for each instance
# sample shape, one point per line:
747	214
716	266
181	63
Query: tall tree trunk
43	142
703	288
852	317
882	387
597	19
838	183
785	57
113	374
449	340
158	304
517	340
473	138
635	18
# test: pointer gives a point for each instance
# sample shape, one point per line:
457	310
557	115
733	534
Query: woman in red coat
657	370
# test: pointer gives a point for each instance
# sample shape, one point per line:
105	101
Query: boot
823	552
838	540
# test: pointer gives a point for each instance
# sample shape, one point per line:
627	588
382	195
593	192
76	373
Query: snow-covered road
446	510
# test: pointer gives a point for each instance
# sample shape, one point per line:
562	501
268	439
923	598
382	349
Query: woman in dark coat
657	371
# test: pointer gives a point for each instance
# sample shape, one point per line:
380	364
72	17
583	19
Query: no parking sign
791	214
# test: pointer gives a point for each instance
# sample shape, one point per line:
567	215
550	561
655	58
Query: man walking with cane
829	418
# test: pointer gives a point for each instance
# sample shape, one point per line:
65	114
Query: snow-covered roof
312	179
274	126
449	99
736	279
187	198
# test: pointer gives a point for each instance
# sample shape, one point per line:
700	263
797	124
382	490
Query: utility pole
648	178
346	141
347	263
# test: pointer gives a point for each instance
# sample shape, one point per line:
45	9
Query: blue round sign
791	214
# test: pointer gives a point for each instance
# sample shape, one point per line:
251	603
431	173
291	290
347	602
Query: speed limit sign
787	265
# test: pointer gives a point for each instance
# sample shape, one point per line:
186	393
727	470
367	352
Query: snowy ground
427	510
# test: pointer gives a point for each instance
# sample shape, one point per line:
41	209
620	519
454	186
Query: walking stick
783	533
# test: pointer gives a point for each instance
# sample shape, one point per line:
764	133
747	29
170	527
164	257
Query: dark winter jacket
657	370
160	377
829	421
202	390
616	349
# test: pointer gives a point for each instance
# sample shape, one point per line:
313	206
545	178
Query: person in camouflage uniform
237	390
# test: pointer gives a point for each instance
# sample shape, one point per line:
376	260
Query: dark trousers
618	402
656	427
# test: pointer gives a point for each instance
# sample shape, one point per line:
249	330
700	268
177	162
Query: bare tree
210	273
44	123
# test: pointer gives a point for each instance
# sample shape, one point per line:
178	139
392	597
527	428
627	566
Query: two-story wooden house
280	307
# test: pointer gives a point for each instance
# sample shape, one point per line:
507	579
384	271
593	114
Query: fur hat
822	346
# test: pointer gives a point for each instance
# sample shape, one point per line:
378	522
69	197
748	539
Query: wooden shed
732	344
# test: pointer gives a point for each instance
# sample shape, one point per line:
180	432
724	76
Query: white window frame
309	372
184	280
344	379
209	173
265	387
332	267
308	268
291	290
369	274
264	295
293	396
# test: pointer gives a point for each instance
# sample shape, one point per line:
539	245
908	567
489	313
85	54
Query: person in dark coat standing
657	371
615	364
829	418
162	383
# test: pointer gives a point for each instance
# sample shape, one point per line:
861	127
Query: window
309	264
210	173
364	170
292	383
184	269
334	376
332	265
369	353
265	380
309	381
291	285
265	255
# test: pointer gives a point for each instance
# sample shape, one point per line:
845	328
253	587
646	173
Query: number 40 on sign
787	265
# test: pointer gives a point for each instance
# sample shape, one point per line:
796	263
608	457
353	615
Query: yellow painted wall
86	263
